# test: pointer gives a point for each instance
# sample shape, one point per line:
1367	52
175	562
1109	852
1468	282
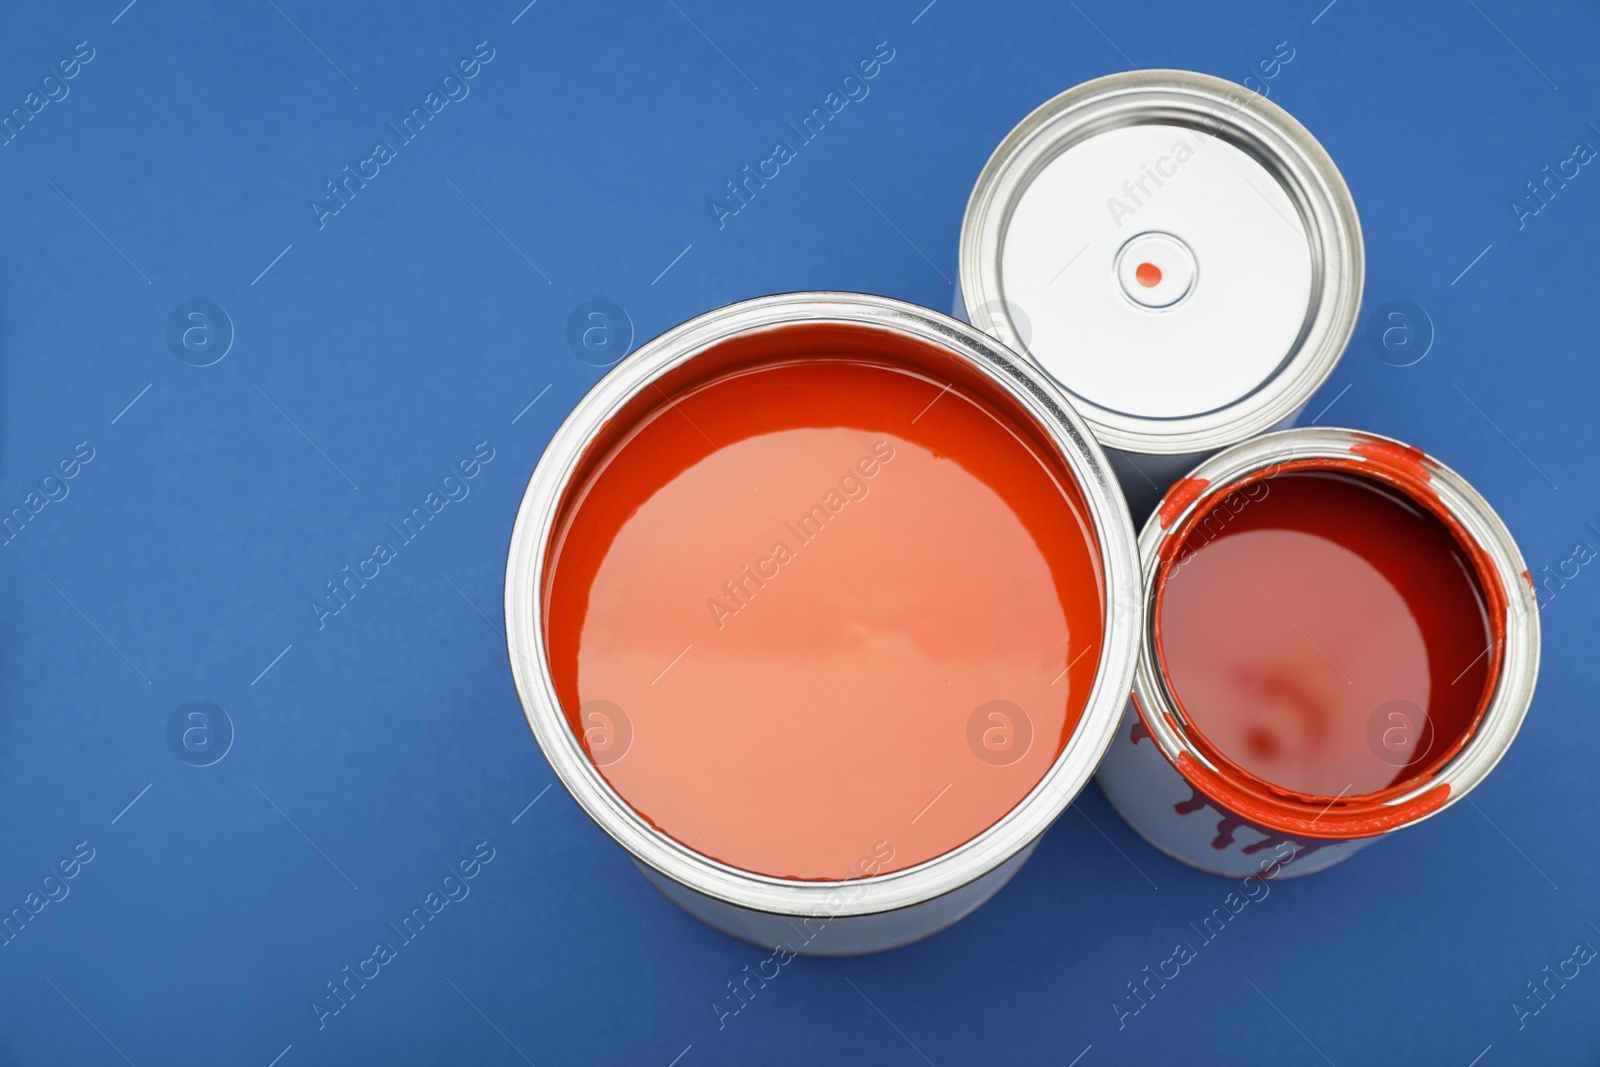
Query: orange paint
800	565
1408	458
1284	627
1148	275
1267	814
1183	493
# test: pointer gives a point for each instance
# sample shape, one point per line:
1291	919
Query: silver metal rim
525	635
1519	670
1256	125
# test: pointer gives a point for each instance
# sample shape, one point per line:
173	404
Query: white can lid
1185	262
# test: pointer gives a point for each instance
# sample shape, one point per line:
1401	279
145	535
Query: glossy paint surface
1325	634
824	613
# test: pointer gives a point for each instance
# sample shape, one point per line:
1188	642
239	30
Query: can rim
525	621
1263	129
1513	684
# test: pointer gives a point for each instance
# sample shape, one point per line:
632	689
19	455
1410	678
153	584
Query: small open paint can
1177	252
824	606
1340	640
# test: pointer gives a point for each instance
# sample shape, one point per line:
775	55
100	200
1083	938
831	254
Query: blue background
377	751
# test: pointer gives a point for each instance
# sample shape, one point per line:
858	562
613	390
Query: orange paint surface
1306	632
1148	275
1183	493
800	570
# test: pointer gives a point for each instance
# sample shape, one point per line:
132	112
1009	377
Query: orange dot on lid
1148	275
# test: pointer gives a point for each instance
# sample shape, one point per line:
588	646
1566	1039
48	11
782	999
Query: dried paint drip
1228	825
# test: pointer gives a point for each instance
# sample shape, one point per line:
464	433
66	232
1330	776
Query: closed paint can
1340	640
823	606
1177	252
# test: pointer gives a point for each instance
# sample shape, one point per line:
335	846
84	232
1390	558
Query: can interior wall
855	914
1191	801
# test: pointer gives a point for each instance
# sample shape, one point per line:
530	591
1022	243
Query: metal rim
1035	394
1519	670
1256	125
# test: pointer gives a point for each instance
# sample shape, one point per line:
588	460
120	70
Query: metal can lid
1179	254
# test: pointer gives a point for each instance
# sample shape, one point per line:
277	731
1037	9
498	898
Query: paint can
1340	640
1177	252
911	668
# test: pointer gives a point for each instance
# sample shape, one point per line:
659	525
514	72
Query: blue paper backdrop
368	350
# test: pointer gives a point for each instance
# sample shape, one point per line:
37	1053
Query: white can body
828	934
